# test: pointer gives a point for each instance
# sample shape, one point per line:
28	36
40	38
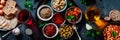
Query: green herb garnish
70	17
87	34
83	1
93	35
70	4
28	4
114	34
57	38
42	24
98	33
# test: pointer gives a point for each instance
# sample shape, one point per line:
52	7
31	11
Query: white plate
13	23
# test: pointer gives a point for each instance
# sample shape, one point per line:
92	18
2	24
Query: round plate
13	23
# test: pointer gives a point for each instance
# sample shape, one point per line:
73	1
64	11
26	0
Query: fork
74	27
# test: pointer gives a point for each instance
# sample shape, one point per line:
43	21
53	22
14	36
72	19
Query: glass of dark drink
25	17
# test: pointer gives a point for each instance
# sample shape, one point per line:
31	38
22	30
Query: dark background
104	5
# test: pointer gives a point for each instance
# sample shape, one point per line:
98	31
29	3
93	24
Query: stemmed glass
26	18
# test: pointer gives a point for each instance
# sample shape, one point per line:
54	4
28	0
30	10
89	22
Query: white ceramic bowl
38	12
61	9
54	34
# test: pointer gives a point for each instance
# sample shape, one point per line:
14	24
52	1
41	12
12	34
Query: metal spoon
74	27
8	33
5	36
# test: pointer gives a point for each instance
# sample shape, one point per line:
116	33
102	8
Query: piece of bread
13	24
10	7
2	19
4	24
114	15
10	16
7	26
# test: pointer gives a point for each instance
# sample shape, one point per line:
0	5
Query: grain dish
45	12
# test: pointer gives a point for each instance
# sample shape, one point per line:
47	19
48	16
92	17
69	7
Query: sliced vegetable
1	6
73	14
3	2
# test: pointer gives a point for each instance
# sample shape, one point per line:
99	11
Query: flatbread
12	24
10	7
8	24
2	21
114	15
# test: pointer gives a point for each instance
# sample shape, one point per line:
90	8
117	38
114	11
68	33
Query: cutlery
74	27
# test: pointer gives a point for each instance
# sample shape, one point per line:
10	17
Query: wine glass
26	18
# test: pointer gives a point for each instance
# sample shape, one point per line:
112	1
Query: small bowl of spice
44	13
50	30
58	19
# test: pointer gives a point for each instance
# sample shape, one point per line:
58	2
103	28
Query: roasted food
112	32
66	31
58	4
73	14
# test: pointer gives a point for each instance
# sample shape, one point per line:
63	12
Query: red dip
58	19
50	30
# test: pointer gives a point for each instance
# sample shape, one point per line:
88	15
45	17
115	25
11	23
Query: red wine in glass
25	17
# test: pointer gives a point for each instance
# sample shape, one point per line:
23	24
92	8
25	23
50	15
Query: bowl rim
54	34
80	18
61	9
38	14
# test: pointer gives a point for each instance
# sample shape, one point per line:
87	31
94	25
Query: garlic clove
16	31
88	27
